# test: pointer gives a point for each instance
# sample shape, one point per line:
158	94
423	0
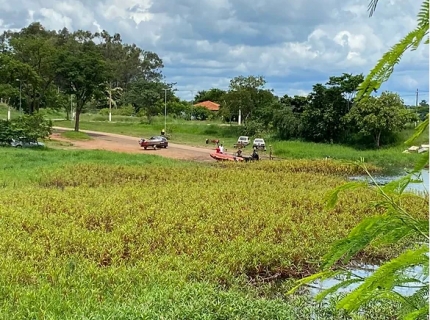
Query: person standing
221	149
162	132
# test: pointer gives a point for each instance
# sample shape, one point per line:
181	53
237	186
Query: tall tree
15	77
297	103
243	95
82	71
322	118
381	115
348	84
37	47
146	96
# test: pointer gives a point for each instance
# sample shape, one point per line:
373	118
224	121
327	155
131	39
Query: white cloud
205	43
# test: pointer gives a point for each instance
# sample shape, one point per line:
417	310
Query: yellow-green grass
73	135
97	234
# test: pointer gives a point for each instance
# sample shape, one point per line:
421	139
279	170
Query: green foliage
73	135
377	116
247	94
322	119
287	123
201	113
252	129
147	97
127	110
25	128
385	66
397	221
213	94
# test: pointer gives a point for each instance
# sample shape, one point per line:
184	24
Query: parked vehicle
154	142
24	143
243	140
259	144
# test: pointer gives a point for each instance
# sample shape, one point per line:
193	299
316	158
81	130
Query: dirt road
122	143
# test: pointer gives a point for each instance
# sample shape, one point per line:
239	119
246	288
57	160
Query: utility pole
165	110
192	104
416	99
20	95
8	112
110	102
416	106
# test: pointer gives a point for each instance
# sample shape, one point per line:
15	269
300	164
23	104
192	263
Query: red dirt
127	144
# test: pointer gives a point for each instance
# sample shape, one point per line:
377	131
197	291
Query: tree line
330	113
42	68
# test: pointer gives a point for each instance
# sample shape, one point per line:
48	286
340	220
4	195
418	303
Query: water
367	270
420	187
412	187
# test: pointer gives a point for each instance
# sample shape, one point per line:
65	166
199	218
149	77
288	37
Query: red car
154	142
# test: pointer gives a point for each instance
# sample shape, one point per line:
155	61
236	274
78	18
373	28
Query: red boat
225	157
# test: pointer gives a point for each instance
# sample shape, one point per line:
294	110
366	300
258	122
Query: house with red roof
211	106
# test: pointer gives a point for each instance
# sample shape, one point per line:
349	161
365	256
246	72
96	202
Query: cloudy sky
205	43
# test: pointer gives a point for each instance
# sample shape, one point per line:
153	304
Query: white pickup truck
259	144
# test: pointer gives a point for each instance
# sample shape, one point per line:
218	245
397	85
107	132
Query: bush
252	128
25	128
123	111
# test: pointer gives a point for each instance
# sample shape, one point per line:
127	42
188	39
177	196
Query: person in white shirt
221	149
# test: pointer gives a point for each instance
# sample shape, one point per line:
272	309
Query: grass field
99	235
73	135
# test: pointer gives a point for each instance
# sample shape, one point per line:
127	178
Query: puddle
365	271
412	187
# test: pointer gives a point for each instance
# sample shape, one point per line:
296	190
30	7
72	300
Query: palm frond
419	130
372	7
385	66
384	277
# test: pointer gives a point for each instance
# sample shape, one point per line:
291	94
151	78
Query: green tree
213	94
297	103
36	47
82	71
287	123
323	117
244	94
148	96
13	74
381	115
348	85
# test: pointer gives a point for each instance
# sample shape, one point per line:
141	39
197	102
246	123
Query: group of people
219	148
